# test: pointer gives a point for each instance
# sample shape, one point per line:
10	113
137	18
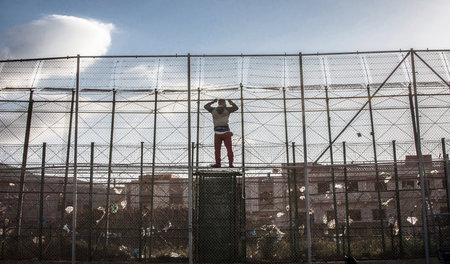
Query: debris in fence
434	171
391	220
386	203
302	189
302	197
253	233
114	208
123	204
267	177
287	207
118	191
331	224
35	240
69	209
272	231
100	208
174	255
136	253
339	186
412	219
324	219
280	214
123	248
12	184
387	177
66	228
166	228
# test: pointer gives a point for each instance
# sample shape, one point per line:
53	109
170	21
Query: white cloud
57	35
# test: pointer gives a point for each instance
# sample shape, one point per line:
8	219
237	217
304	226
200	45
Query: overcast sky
38	28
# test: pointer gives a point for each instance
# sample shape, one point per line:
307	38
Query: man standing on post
222	132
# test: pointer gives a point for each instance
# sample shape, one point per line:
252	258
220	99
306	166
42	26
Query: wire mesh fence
334	154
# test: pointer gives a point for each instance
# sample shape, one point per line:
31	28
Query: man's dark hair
221	101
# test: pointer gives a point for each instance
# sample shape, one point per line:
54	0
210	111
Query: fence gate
218	216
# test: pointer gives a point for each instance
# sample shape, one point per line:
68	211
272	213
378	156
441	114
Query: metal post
24	167
198	130
41	200
91	187
421	177
305	160
66	175
75	165
397	198
141	176
244	228
347	216
189	159
152	185
297	224
446	172
333	178
108	186
421	161
291	231
377	173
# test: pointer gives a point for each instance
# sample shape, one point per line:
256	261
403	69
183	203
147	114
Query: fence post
446	172
333	177
414	109
24	168
152	187
91	187
66	175
305	161
291	231
347	216
108	186
244	224
297	224
75	165
140	200
189	159
198	129
397	198
41	200
377	172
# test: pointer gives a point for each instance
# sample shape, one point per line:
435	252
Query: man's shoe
215	166
231	165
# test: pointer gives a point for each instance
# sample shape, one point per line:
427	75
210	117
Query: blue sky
221	27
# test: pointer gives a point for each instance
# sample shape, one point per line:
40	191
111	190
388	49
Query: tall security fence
108	158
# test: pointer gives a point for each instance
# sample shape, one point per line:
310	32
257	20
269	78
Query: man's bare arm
233	107
209	107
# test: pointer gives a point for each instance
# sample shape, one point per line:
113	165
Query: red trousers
226	138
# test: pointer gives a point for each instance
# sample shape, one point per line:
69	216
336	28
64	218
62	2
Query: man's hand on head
230	102
215	100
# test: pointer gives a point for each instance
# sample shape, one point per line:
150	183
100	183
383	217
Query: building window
352	186
376	214
382	185
176	193
266	194
408	184
266	200
355	215
323	187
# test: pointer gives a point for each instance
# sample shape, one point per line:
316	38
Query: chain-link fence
333	154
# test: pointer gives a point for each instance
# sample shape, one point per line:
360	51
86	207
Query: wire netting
334	154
